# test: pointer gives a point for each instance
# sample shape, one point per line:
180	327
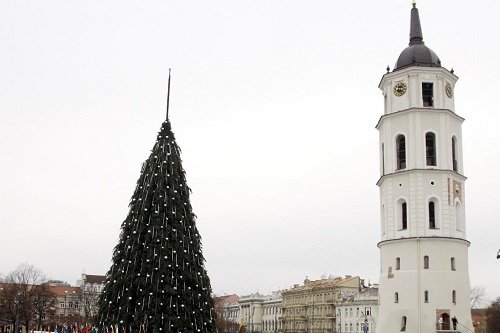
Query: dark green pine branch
158	282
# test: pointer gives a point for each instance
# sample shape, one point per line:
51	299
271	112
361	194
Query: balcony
445	328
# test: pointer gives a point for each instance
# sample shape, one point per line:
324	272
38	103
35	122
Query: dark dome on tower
417	54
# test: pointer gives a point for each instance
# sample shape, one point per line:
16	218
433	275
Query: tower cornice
416	70
423	110
410	171
425	238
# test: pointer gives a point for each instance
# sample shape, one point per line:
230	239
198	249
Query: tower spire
415	28
168	92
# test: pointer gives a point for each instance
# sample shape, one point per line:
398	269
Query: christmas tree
158	282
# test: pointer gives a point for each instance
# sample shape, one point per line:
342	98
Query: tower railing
447	327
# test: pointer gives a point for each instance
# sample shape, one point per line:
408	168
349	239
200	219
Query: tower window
404	216
383	159
398	263
453	264
430	148
401	152
454	153
426	296
396	297
427	94
403	324
454	297
432	215
426	262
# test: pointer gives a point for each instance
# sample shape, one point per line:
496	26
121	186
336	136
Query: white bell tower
424	279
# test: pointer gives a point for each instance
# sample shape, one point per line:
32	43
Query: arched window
426	262
382	218
430	148
432	215
427	94
383	159
453	263
398	263
454	297
454	153
400	152
402	214
403	324
396	297
426	296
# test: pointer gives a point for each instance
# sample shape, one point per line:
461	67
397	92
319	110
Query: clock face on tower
400	89
449	90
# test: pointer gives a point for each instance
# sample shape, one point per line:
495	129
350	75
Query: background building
91	286
357	311
271	313
68	306
311	307
223	320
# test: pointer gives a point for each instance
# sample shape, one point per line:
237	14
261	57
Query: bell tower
424	279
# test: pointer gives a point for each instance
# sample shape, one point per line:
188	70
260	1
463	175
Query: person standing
365	326
454	320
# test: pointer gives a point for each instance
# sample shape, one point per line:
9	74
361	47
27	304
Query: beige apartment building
311	307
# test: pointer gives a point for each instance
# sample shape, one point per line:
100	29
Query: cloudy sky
274	105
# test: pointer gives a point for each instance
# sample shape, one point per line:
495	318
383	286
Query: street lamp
65	295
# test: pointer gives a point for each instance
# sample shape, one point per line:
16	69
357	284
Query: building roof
323	283
65	290
373	291
226	299
417	54
94	279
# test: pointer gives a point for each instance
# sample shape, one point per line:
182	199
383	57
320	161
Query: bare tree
477	297
9	310
18	295
44	302
493	316
89	300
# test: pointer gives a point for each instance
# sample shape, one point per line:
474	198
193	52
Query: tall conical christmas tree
158	282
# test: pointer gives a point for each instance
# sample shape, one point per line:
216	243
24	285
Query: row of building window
70	305
303	311
426	263
349	312
432	209
426	297
430	152
271	325
348	328
311	298
271	310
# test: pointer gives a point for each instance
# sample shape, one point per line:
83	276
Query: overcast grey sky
274	105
